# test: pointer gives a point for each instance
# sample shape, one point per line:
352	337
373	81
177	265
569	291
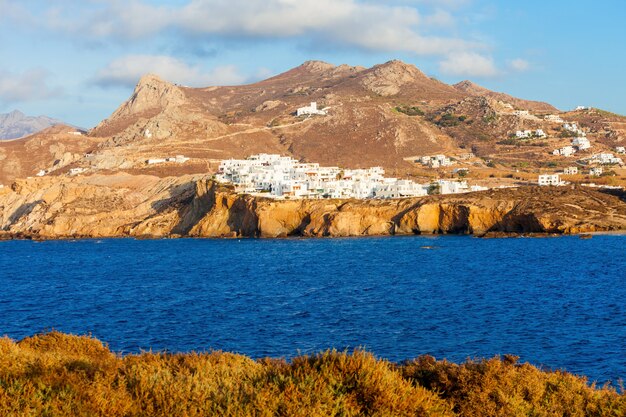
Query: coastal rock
126	205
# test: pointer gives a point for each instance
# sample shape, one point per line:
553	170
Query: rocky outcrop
126	205
151	96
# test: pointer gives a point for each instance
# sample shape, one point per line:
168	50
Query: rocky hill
102	183
471	88
387	115
16	124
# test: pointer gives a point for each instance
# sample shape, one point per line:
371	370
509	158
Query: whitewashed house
570	171
605	159
553	118
310	110
76	171
620	150
564	151
581	143
436	161
540	133
595	171
549	179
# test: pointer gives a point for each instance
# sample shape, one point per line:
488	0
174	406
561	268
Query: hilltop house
620	150
595	172
310	110
570	171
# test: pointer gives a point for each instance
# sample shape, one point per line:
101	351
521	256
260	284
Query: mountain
123	178
16	124
388	115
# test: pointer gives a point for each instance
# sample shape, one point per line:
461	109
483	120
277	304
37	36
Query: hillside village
283	177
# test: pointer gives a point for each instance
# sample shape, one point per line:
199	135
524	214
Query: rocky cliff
124	205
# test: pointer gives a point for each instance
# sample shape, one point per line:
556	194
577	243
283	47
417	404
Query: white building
573	127
435	161
179	159
582	108
620	150
310	110
570	171
553	118
41	173
283	177
564	151
605	159
521	113
549	179
76	171
524	134
595	172
581	143
400	189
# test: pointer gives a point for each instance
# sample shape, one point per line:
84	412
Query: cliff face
124	205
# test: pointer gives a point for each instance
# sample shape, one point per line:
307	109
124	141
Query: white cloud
519	65
30	85
127	70
469	64
376	26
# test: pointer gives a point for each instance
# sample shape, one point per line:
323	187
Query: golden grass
62	375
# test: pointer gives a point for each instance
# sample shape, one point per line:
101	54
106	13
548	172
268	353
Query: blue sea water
556	302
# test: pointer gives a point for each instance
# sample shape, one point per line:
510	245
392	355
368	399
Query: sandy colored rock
127	205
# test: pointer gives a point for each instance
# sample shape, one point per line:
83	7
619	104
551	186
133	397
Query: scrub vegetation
63	375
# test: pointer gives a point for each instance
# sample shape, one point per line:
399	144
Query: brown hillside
471	88
387	115
53	148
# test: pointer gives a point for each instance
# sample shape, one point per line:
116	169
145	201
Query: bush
409	110
62	375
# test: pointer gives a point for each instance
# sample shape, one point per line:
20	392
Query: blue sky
78	61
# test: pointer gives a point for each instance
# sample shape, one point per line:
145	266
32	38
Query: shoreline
488	235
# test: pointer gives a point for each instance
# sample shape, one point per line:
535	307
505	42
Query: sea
557	303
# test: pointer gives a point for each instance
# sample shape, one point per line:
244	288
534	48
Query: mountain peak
16	113
390	78
16	124
317	66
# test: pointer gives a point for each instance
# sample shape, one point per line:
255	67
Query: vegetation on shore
62	375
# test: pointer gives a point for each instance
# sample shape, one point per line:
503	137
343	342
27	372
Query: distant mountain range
16	124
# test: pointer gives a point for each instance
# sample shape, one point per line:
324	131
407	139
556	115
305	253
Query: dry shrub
502	387
63	375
